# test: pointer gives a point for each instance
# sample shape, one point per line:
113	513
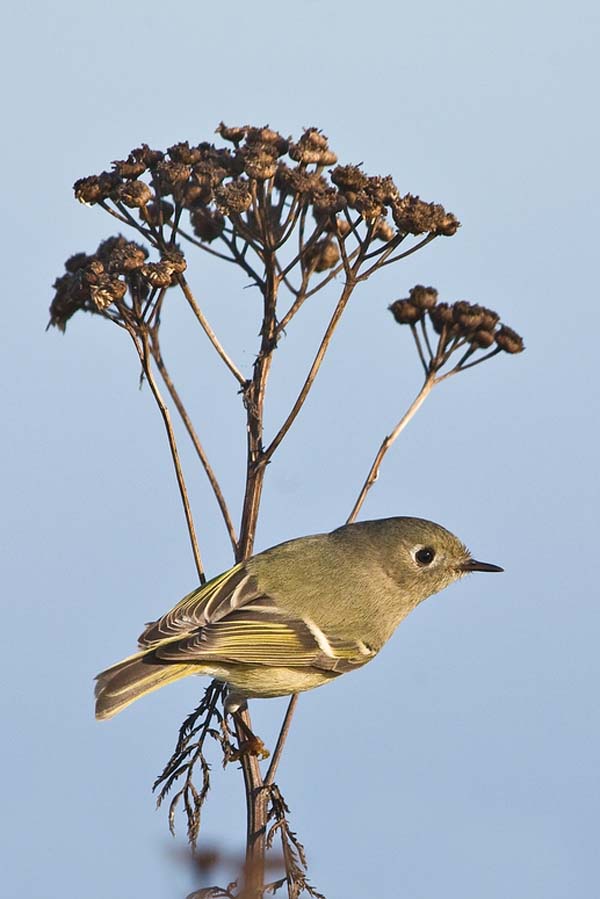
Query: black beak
474	565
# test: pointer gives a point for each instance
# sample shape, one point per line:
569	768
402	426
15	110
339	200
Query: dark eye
425	556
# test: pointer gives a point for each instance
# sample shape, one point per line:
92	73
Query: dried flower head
157	274
322	255
66	302
174	260
149	157
106	291
312	148
208	173
158	212
349	178
182	152
235	134
94	271
76	262
383	230
134	194
260	160
468	316
489	319
127	258
208	224
234	198
268	138
509	341
132	167
95	188
442	317
481	339
405	312
309	185
413	216
169	176
423	297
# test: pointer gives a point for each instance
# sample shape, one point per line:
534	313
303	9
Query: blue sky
464	761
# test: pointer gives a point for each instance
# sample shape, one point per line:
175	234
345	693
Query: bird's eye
425	556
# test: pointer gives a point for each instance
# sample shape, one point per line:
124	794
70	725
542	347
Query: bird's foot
248	742
252	745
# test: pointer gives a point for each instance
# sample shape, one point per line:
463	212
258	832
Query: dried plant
293	221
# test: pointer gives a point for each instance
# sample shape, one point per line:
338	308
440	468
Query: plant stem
145	354
373	474
285	727
314	369
209	331
158	358
254	398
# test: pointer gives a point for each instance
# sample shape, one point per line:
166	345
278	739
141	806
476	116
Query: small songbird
295	616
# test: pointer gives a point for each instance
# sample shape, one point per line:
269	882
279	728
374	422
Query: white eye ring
423	555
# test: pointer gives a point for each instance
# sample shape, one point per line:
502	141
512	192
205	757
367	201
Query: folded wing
231	620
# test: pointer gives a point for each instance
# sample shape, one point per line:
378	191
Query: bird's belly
259	681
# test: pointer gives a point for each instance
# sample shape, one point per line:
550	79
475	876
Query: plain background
464	761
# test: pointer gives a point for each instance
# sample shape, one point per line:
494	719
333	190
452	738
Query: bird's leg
248	742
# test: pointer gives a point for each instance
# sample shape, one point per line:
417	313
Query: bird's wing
229	620
202	606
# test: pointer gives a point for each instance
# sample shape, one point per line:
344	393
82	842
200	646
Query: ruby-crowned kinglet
296	616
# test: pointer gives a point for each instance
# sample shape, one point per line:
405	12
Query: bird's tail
126	681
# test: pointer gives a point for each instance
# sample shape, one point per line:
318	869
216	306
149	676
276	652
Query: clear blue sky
464	761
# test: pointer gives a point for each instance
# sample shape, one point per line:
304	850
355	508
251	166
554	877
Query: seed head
509	341
481	339
106	291
383	230
158	212
208	224
468	316
134	194
405	312
322	255
182	152
312	148
441	316
157	274
413	216
132	167
96	188
423	297
349	178
234	198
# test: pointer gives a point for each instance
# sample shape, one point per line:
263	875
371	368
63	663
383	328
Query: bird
295	616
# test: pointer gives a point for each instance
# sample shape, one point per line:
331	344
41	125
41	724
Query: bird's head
425	558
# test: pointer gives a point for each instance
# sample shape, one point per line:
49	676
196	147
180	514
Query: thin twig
415	334
426	338
240	258
216	488
283	733
381	262
203	246
458	368
209	331
145	354
373	474
314	369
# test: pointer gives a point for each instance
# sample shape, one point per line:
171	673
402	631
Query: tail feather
126	681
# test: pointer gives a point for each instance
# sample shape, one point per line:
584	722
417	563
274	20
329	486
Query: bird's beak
474	565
